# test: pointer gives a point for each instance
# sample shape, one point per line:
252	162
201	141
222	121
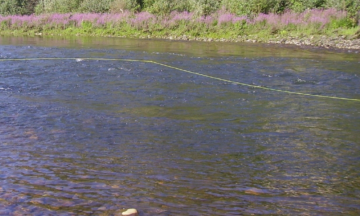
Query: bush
95	6
200	7
30	6
242	7
163	7
341	4
57	6
159	6
248	7
182	5
342	23
206	7
122	5
300	6
11	7
351	6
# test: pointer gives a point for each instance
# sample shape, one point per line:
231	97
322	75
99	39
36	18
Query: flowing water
90	137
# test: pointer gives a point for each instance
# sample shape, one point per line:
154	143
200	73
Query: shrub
95	6
200	7
247	7
181	5
205	7
300	6
122	5
30	6
8	7
160	6
341	4
57	6
351	6
342	23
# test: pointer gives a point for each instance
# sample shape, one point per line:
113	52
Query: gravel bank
341	42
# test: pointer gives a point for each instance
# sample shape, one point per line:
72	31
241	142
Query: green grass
232	34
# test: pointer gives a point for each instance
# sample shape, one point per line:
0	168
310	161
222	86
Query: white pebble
130	212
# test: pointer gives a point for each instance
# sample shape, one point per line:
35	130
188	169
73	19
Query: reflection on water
96	137
181	48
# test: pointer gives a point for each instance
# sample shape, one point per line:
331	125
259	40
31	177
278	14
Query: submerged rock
255	191
299	81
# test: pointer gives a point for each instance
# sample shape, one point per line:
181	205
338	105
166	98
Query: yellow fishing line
187	71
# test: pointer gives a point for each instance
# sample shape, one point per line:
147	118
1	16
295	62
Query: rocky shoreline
341	42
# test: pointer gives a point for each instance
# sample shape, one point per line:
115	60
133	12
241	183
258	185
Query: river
80	136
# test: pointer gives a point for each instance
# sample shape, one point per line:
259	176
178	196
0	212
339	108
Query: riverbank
336	41
324	28
339	42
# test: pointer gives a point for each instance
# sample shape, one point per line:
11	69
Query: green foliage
191	28
200	7
95	6
160	6
86	25
247	7
10	7
147	3
351	6
30	6
182	5
241	7
241	26
18	7
57	6
166	6
92	6
205	7
341	4
5	24
121	5
299	6
163	7
342	23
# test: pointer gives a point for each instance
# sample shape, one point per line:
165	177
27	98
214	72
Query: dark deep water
93	137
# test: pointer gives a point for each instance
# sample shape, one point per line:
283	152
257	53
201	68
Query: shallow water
95	137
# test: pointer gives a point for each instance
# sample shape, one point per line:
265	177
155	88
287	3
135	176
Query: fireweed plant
221	24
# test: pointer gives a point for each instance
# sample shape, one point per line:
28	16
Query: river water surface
89	137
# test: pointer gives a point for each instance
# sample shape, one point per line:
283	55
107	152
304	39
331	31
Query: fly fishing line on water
187	71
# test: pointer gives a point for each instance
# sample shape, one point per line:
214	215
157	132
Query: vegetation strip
327	23
187	71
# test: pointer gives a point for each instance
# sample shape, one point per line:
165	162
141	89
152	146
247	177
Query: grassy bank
221	25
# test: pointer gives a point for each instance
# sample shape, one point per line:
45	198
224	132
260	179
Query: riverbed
80	136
